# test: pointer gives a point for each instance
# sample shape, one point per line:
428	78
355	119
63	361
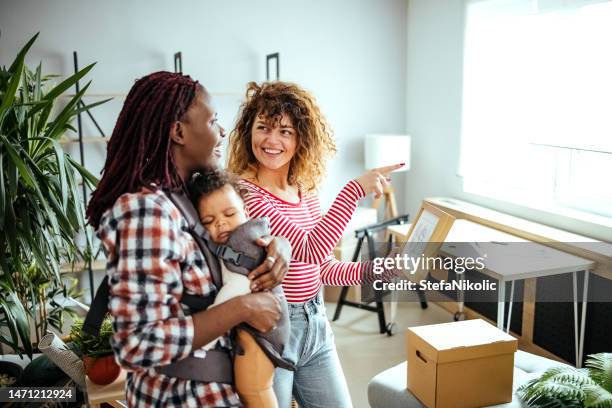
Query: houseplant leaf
41	209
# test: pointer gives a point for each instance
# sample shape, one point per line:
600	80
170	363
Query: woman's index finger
389	169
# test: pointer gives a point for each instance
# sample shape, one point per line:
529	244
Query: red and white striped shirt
312	237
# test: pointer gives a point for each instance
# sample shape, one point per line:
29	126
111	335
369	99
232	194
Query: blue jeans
318	380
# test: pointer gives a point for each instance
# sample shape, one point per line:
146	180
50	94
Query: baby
221	210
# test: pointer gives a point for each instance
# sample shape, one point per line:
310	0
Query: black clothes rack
367	233
82	156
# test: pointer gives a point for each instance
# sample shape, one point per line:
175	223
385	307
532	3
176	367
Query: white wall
433	114
433	97
350	53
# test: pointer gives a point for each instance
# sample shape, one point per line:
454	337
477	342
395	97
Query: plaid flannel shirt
152	259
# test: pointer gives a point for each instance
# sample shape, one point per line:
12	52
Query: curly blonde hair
315	142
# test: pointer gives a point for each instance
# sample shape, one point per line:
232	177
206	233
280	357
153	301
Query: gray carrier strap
198	233
215	366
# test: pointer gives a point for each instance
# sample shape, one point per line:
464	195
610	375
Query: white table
509	263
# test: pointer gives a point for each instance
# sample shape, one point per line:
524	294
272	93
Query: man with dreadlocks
166	129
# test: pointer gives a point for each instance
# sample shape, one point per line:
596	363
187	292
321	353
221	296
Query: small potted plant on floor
98	357
9	374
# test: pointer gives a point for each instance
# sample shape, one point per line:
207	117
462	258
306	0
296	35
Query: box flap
464	340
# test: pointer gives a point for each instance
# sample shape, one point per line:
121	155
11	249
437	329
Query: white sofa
388	389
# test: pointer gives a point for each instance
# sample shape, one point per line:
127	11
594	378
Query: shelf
86	139
97	265
123	95
97	95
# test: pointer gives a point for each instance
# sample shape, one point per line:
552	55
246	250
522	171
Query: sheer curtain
537	102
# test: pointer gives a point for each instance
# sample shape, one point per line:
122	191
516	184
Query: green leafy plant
572	387
6	381
92	346
41	211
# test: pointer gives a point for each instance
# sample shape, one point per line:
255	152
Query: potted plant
572	387
10	374
98	356
41	211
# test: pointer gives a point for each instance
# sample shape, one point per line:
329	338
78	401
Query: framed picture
274	61
178	62
426	234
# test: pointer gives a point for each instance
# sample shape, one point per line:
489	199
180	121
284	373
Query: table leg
585	292
391	306
529	295
501	298
510	306
575	292
461	294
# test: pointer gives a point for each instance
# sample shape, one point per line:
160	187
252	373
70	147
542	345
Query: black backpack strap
97	310
196	303
215	366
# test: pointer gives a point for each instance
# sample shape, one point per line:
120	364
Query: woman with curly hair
280	148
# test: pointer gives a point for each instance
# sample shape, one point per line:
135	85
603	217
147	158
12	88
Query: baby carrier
217	364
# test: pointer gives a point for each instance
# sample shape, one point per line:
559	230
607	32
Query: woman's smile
271	151
274	144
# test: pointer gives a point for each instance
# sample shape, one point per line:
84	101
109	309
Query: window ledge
519	197
533	231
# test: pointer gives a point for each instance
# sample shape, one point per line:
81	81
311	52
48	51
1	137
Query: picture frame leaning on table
426	235
423	239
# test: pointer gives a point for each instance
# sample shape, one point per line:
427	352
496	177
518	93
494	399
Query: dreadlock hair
139	151
203	182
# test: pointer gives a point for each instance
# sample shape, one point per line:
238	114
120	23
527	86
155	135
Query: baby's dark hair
202	182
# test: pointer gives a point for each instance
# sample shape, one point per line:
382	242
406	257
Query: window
537	102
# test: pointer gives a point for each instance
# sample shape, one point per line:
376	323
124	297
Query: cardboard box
345	249
345	252
332	293
460	364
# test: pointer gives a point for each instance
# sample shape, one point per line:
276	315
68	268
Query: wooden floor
364	352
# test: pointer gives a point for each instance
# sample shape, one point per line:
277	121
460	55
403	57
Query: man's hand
273	270
263	310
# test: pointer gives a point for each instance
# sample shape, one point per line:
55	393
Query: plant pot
11	370
101	370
